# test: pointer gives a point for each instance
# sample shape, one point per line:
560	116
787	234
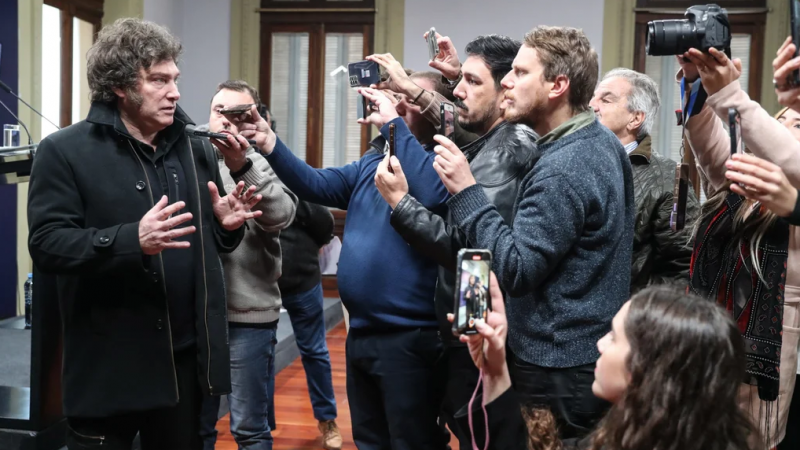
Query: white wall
463	20
203	26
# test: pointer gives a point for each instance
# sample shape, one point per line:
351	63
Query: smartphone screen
473	301
448	120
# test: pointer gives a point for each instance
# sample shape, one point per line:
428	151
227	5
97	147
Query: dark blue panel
9	40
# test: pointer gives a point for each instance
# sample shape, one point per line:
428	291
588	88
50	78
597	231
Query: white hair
643	97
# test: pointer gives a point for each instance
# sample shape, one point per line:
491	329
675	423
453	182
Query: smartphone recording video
447	123
472	300
237	110
364	73
433	45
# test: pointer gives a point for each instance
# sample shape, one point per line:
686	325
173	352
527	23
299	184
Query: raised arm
762	135
331	187
526	253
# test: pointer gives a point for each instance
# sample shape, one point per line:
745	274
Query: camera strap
690	103
485	416
680	192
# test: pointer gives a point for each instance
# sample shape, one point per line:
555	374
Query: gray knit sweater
253	269
565	261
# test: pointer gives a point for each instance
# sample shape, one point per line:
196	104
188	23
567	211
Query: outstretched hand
446	61
398	80
762	181
233	210
715	68
782	68
383	109
393	184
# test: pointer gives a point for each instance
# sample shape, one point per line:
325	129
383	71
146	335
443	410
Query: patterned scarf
721	270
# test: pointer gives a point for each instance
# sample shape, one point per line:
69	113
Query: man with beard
564	260
499	158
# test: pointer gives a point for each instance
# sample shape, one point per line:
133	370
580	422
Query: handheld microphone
192	130
30	141
8	89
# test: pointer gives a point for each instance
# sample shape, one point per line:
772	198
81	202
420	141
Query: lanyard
687	112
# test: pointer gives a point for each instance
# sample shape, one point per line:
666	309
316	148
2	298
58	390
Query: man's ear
560	87
120	93
636	121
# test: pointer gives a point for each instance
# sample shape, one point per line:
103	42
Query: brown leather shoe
331	436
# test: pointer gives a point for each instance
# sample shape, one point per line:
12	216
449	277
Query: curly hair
686	364
122	49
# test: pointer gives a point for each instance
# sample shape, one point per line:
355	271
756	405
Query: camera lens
670	37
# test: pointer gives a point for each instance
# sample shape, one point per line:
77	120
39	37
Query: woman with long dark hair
671	367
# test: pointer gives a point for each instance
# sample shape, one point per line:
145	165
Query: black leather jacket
499	160
660	255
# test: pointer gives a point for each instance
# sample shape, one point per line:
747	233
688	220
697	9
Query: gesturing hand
488	347
763	182
384	110
156	227
782	67
452	166
392	186
715	68
446	61
234	209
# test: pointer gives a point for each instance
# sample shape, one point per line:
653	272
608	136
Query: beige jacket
769	140
253	269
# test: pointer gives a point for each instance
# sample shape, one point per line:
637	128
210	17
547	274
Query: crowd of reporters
551	168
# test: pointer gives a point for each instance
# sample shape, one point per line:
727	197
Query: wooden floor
297	428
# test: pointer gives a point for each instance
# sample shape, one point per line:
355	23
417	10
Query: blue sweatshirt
383	282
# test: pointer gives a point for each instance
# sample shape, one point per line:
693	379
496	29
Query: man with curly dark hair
128	216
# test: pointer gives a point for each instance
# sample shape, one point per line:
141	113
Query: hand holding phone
433	46
379	108
472	297
445	60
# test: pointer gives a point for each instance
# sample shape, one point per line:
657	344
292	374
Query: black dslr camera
703	28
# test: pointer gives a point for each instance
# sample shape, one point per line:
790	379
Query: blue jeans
308	321
252	371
